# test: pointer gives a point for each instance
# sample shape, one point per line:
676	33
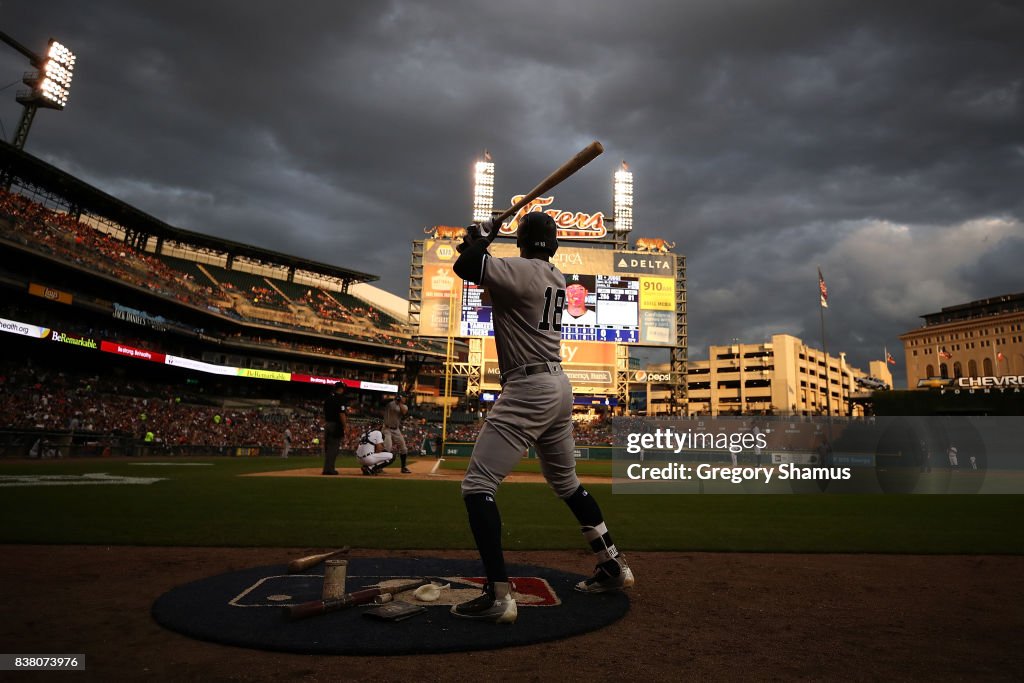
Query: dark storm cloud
880	141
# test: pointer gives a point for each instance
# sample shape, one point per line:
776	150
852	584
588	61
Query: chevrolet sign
1004	382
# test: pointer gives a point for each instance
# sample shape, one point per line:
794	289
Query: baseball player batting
394	442
535	408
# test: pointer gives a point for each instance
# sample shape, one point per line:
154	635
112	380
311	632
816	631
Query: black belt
554	367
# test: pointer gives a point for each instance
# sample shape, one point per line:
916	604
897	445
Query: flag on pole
823	289
888	357
944	354
1000	357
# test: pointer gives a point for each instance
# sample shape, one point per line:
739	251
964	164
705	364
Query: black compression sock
485	523
588	514
584	507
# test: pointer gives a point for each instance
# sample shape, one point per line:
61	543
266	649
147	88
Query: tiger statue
450	232
653	244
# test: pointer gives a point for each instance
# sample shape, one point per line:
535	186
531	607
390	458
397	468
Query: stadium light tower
50	84
623	199
483	189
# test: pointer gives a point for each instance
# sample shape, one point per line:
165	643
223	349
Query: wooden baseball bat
296	566
316	607
582	158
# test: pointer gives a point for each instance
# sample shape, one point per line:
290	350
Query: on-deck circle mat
247	608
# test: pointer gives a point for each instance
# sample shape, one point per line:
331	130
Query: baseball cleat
603	582
406	470
495	605
628	580
367	470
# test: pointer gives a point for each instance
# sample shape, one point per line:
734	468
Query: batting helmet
537	231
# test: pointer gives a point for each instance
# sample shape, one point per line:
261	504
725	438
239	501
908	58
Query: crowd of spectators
49	400
268	298
377	318
96	407
267	340
327	307
124	334
64	236
102	406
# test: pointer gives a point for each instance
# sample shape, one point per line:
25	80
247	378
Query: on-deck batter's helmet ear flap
538	231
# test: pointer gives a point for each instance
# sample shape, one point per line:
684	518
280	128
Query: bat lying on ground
316	607
582	158
296	566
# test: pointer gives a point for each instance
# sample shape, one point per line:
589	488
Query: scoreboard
475	320
613	297
610	312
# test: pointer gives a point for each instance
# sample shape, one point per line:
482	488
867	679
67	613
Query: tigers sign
571	225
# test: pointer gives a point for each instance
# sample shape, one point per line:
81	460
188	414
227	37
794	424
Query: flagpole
824	348
886	362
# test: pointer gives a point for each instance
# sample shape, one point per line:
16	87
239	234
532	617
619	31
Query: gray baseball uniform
394	442
535	406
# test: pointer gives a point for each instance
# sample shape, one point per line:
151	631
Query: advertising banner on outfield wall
590	366
119	349
441	286
775	455
23	329
51	293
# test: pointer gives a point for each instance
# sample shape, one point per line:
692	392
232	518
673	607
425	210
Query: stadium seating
189	268
256	289
230	292
61	235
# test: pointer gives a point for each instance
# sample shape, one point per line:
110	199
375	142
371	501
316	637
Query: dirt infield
420	469
694	616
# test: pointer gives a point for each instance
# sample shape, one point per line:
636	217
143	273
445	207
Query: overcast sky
881	141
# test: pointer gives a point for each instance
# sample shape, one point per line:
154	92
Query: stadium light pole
623	191
49	85
483	188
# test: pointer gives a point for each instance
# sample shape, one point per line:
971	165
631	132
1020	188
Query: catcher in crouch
371	453
535	408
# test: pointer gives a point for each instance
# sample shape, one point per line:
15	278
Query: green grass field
213	505
594	468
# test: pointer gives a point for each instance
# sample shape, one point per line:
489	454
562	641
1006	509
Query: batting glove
473	234
489	228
